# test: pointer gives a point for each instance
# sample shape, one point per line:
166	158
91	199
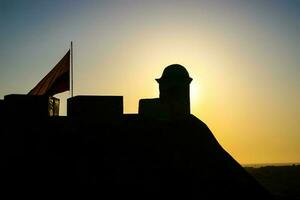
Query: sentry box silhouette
174	95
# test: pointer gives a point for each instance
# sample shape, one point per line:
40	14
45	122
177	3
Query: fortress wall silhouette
18	105
138	156
96	107
1	106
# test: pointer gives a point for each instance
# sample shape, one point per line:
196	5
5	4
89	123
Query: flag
56	81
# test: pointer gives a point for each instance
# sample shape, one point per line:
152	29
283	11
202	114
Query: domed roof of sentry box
175	72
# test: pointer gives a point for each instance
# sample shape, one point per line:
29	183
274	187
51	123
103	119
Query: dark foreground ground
282	181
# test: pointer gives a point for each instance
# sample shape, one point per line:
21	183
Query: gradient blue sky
244	57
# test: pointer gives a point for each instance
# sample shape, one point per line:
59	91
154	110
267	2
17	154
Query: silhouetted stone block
1	105
96	107
153	109
30	105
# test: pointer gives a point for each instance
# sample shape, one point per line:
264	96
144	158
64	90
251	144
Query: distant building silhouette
174	95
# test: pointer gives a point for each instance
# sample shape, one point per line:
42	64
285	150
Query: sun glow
195	92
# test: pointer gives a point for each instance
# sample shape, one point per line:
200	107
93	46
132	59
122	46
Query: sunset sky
243	56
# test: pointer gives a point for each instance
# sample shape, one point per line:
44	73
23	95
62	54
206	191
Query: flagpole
72	86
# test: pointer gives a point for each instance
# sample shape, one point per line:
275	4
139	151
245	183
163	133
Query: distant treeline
282	181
